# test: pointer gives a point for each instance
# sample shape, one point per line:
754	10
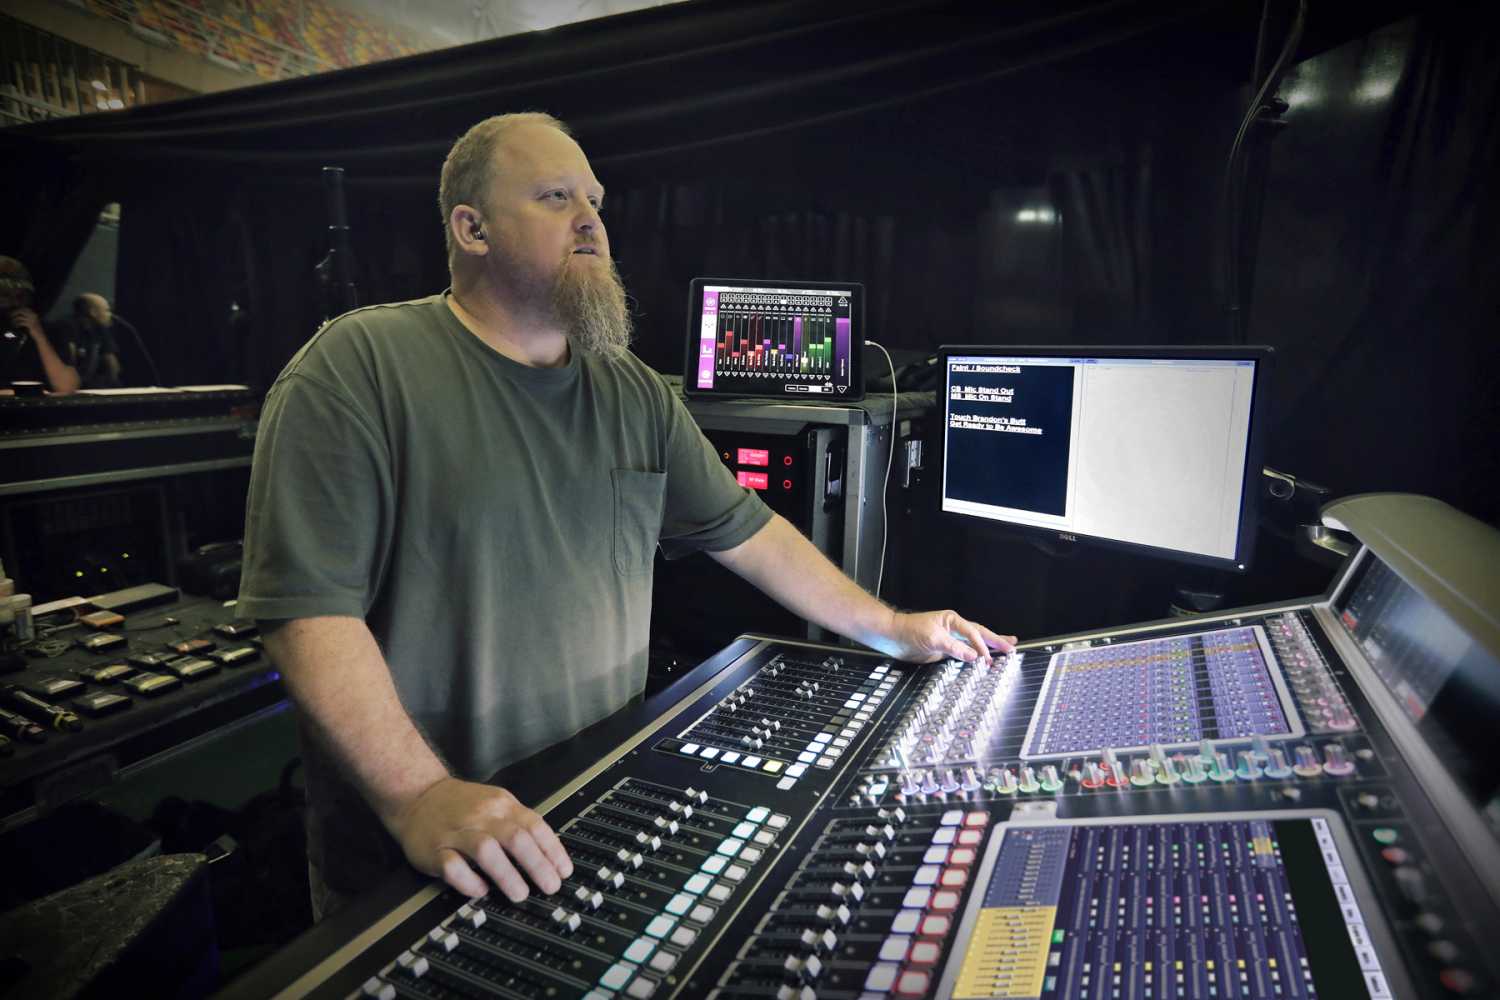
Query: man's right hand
28	320
457	829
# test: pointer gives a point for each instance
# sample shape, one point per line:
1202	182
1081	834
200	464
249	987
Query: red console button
924	953
913	983
1460	981
944	901
954	878
935	925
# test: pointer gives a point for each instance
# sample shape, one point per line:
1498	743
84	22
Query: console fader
1286	801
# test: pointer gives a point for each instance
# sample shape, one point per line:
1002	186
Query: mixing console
1258	905
1234	806
796	712
1323	704
871	907
653	867
1173	691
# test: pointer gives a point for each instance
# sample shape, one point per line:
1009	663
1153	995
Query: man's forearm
339	679
788	567
61	376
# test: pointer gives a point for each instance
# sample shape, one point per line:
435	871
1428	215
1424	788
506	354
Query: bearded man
452	515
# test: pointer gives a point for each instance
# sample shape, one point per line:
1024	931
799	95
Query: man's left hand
927	636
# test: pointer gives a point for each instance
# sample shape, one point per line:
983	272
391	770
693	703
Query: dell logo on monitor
1067	537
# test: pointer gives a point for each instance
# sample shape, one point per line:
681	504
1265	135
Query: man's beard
590	303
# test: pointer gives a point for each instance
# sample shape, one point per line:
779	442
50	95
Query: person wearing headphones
27	358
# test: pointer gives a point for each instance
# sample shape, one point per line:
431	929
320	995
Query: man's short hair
16	287
469	166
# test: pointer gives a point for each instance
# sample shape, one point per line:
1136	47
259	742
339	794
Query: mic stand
150	361
336	270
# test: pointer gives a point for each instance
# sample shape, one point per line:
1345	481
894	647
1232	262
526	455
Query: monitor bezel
856	341
1263	357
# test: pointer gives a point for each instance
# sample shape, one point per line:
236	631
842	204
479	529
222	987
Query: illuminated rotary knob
1192	769
1276	765
1028	782
1336	760
1166	768
1341	718
1307	764
1115	775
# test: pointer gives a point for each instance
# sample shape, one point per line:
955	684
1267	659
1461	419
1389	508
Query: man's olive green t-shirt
494	524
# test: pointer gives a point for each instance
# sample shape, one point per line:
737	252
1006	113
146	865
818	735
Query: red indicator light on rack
786	484
754	480
786	460
754	456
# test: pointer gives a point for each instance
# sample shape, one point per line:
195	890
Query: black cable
1230	198
1260	41
155	374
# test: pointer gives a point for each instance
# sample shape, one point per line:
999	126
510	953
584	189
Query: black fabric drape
1376	278
49	212
647	85
803	128
895	144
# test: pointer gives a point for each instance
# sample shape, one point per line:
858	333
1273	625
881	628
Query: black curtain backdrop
900	145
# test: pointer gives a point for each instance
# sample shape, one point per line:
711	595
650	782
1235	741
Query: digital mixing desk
1286	801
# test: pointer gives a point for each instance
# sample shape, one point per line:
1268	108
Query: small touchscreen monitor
797	341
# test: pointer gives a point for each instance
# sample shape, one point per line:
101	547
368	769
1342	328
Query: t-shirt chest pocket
638	510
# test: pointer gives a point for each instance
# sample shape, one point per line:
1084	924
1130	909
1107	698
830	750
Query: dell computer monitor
794	341
1152	448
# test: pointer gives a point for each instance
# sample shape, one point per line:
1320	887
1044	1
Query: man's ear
467	226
